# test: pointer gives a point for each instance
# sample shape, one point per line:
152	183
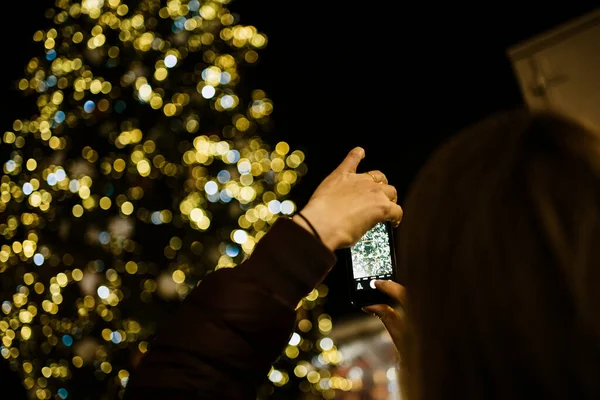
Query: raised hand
347	204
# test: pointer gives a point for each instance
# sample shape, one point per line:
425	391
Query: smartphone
371	258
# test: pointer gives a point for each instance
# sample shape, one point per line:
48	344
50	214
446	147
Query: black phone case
362	298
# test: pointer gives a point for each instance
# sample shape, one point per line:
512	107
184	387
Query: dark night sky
396	79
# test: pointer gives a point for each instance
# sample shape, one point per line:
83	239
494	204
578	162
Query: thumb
350	163
390	318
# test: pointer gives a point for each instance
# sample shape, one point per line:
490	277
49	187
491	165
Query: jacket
221	342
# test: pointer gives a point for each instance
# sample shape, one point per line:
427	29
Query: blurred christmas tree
141	171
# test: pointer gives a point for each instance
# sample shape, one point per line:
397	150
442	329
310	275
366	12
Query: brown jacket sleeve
232	327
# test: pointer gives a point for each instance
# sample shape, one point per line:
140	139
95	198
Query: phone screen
372	258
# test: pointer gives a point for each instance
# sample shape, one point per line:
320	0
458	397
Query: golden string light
141	170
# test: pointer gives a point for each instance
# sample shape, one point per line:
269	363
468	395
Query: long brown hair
500	248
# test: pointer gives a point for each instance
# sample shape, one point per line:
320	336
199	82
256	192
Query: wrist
303	224
318	229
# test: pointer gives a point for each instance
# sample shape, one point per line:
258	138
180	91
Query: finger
390	318
352	160
395	213
390	192
378	176
392	289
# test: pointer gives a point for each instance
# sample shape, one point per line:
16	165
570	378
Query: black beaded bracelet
312	228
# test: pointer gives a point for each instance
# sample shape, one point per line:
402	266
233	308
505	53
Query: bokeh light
141	169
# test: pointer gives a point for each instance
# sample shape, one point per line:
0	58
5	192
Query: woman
500	258
231	328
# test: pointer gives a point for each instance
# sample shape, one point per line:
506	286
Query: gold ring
373	176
